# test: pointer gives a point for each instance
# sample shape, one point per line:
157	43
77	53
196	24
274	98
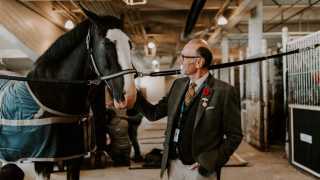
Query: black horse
94	48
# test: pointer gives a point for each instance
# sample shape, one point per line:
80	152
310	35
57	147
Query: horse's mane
66	43
70	40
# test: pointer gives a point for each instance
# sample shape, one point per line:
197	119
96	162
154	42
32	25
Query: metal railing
304	71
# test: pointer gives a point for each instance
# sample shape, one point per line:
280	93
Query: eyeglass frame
183	57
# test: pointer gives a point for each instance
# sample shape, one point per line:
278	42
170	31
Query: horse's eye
107	42
130	45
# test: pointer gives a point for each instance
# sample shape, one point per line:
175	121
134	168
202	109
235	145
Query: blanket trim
46	159
40	122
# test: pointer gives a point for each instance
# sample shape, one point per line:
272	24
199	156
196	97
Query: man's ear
200	62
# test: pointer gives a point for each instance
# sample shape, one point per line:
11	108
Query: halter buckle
94	82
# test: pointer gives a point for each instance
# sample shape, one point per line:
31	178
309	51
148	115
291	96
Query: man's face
188	59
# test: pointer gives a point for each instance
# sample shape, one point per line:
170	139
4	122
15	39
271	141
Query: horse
52	112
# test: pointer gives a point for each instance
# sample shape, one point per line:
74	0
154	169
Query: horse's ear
91	16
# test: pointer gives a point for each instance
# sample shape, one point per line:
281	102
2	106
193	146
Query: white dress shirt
200	81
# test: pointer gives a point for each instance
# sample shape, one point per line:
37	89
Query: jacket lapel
201	108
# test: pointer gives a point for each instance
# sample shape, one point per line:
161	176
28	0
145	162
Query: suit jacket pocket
210	108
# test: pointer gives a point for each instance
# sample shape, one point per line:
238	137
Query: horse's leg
73	169
43	170
97	102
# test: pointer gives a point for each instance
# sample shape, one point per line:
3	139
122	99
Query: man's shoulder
221	84
181	80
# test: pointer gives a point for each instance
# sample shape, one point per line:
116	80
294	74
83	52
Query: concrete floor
262	165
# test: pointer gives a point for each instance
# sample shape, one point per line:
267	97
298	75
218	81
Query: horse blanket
25	136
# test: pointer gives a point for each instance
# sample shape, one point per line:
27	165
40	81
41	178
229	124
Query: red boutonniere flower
206	91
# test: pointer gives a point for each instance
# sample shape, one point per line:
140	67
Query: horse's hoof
101	159
98	160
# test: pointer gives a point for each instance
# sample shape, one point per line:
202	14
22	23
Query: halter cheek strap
93	62
88	41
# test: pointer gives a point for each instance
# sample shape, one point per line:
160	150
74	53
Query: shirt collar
200	81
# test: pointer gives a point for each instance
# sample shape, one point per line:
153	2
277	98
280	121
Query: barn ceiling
163	21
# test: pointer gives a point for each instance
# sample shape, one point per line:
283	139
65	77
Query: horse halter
93	62
101	77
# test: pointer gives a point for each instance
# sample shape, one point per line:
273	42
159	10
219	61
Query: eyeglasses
188	58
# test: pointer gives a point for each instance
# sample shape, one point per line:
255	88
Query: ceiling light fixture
150	47
156	65
151	44
155	62
69	24
222	20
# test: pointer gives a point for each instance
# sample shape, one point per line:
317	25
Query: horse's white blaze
125	60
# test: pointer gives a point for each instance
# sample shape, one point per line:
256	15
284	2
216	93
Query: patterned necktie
190	93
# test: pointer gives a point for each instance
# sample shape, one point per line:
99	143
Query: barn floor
262	165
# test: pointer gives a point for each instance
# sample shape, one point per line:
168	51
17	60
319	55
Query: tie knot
192	85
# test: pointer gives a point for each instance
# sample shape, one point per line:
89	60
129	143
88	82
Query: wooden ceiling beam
43	10
67	11
153	5
33	30
234	19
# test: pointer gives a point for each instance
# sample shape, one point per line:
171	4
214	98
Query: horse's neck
73	66
66	98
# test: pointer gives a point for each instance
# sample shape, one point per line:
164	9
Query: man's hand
194	166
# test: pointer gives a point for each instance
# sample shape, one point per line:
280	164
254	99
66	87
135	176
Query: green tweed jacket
217	127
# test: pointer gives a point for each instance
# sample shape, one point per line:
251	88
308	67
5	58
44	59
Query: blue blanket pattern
48	141
16	102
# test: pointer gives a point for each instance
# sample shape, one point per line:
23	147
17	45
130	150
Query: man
203	128
119	147
123	129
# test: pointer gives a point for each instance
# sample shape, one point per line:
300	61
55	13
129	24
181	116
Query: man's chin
183	72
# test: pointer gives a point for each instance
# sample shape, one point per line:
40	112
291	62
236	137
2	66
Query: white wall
154	87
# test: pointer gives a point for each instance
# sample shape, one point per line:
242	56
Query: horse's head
111	51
